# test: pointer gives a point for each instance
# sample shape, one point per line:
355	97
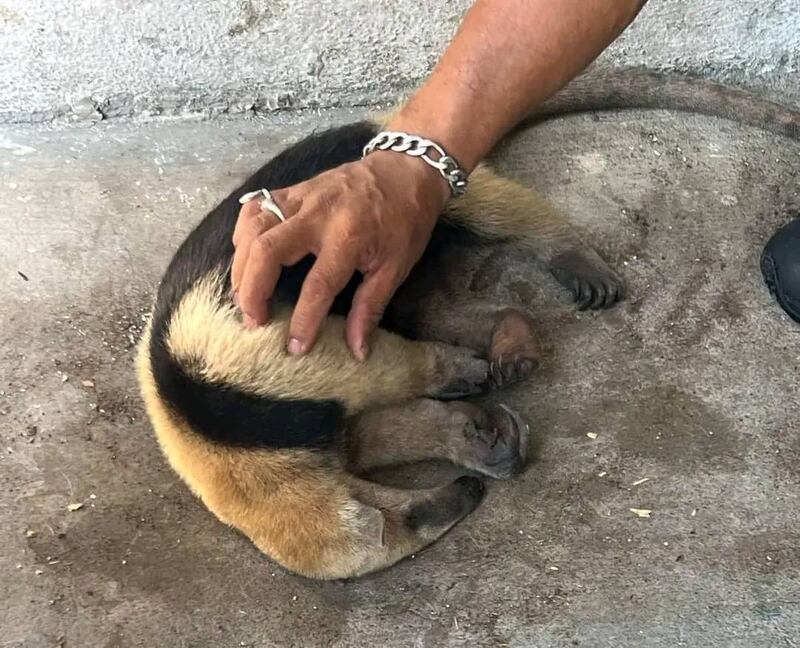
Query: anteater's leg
298	504
206	336
304	511
425	310
492	441
503	210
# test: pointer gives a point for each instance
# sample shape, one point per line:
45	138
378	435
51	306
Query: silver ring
267	204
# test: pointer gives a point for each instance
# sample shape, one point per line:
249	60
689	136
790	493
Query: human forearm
508	57
376	215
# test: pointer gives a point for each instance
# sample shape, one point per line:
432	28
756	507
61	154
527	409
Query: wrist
429	190
425	150
442	130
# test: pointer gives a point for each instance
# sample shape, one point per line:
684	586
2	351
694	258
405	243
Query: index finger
280	246
254	219
249	226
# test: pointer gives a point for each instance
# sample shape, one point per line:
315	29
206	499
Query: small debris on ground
642	513
75	507
591	435
602	474
23	275
87	383
640	481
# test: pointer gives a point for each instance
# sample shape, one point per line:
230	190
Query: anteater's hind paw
514	352
447	506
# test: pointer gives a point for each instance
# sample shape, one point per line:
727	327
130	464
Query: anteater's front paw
458	373
591	281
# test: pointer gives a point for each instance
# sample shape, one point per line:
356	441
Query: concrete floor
691	384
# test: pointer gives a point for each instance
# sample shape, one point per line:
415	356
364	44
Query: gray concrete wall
134	57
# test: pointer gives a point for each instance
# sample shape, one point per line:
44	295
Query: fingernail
296	347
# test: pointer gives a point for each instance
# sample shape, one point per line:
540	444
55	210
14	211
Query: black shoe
780	265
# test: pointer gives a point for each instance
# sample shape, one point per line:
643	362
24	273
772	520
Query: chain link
417	146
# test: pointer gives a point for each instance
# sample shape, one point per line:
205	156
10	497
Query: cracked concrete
691	384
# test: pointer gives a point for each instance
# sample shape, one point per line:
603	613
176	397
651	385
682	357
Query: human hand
375	215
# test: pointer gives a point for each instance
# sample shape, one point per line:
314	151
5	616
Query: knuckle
399	276
328	198
246	294
265	246
374	304
324	203
249	209
377	301
392	278
319	286
282	195
374	310
348	234
238	237
288	199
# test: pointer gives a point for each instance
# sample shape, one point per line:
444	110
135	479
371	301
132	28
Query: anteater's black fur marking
221	412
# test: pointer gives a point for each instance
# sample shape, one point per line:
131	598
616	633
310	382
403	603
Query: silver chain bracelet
416	146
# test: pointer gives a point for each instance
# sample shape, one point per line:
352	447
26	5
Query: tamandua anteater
277	446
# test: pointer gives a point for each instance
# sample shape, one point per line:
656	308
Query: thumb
369	303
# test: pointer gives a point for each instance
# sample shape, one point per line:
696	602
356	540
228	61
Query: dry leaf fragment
87	383
75	507
642	513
